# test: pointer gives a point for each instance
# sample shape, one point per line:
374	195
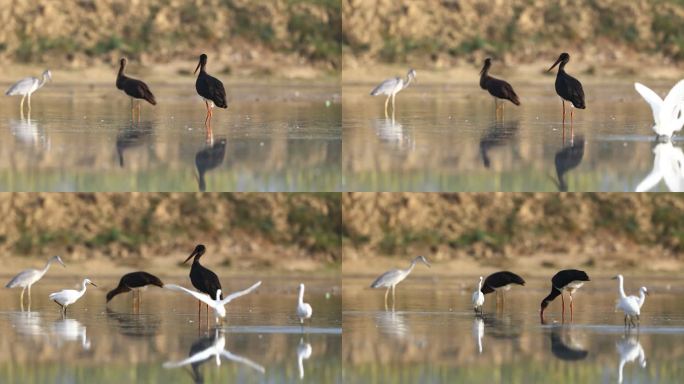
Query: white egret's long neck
410	268
621	288
407	81
83	287
301	295
47	266
43	80
642	297
479	285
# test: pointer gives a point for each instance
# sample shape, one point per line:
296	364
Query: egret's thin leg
386	293
29	289
386	102
29	103
394	298
21	297
393	97
21	105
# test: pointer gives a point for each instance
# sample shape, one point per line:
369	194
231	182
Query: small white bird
391	87
28	277
668	114
304	310
27	86
218	304
630	305
478	297
66	297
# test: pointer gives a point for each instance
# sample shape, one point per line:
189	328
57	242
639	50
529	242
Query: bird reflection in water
630	350
478	332
68	330
391	132
27	323
304	351
133	324
566	159
668	166
499	134
27	132
392	324
208	158
135	135
565	344
207	347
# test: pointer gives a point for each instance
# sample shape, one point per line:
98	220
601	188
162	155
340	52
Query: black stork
566	280
210	88
202	278
567	87
567	158
500	280
498	88
134	88
209	158
131	281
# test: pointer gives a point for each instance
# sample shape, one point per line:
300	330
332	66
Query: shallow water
448	139
113	344
433	335
271	138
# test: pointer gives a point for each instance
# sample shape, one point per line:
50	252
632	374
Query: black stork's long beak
198	67
194	252
554	64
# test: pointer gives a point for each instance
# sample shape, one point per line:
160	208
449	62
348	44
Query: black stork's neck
484	75
120	77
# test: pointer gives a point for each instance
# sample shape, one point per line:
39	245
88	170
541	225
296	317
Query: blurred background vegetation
444	33
547	230
262	35
286	231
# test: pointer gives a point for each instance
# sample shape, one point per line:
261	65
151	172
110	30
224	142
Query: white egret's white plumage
391	87
66	297
27	86
217	304
668	165
304	351
28	277
216	350
304	310
478	297
391	278
668	113
630	305
630	350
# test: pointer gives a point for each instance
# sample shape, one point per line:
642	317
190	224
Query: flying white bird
27	86
66	297
668	114
668	165
218	304
304	310
478	297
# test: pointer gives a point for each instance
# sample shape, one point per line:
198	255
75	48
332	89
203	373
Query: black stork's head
202	62
562	60
485	67
196	253
122	63
544	304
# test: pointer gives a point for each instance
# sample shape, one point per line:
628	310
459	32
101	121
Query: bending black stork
209	158
134	88
210	88
202	278
567	87
497	87
500	280
566	159
569	280
133	280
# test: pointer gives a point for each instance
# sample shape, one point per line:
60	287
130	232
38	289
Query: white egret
218	304
304	310
28	277
391	87
630	305
304	351
66	297
668	114
391	278
28	85
478	297
216	350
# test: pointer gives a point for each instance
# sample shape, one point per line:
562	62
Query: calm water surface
113	344
433	335
448	139
271	138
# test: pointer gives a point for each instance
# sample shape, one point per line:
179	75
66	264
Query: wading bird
26	87
391	87
202	278
566	280
630	305
498	88
668	114
304	310
567	87
210	88
133	282
28	277
134	88
391	278
66	297
478	298
218	304
499	282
